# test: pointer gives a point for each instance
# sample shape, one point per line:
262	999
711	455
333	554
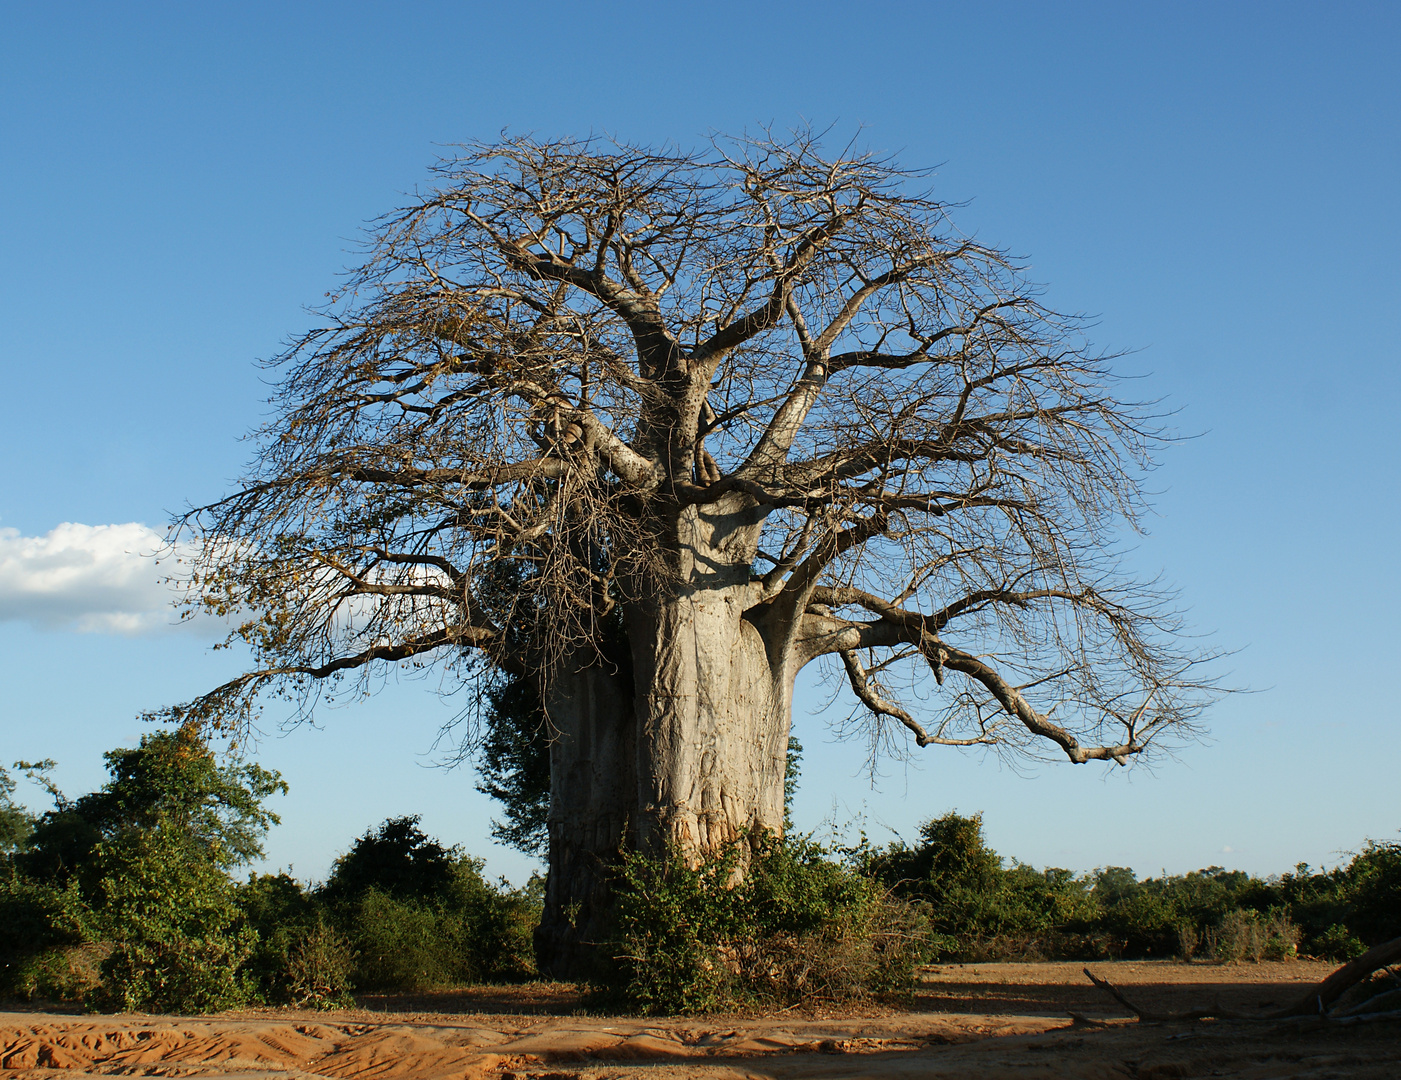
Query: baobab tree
652	431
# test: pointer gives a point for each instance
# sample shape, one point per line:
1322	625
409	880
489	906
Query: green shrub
45	949
798	925
1239	936
123	896
503	924
673	922
176	937
313	948
981	910
71	973
419	916
407	944
320	968
39	924
1281	936
1251	935
831	932
1343	911
1338	943
284	917
1188	938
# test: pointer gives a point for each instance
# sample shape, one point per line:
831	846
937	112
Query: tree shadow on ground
521	999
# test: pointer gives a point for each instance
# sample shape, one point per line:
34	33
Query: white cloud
91	578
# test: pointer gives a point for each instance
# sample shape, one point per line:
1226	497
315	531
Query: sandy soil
994	1021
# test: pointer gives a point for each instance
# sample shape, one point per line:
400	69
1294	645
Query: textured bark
712	721
687	753
712	694
592	813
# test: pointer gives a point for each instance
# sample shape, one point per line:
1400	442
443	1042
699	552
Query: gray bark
712	720
686	752
592	813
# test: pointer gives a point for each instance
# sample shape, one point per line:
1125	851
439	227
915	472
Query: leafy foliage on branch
171	781
15	822
513	761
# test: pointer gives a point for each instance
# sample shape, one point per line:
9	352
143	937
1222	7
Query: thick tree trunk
592	814
687	750
712	724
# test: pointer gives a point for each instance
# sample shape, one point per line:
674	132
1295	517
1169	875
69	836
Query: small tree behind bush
421	916
398	859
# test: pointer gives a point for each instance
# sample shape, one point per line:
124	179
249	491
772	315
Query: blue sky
1215	183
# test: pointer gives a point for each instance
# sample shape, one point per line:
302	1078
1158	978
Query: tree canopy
575	376
171	781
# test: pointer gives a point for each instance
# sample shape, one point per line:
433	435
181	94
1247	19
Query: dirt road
994	1021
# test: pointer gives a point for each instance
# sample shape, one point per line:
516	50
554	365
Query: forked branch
871	698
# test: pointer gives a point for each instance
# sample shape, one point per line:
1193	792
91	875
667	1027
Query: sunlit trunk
712	724
686	751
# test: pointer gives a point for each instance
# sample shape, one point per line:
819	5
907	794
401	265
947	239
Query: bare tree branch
582	379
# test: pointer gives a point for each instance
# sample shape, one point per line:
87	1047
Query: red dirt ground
993	1021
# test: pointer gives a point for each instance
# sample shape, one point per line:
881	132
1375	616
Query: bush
39	924
70	973
45	951
797	926
1343	911
1337	943
407	944
1249	935
978	909
1187	940
320	968
401	912
504	926
122	897
673	922
1375	887
297	957
832	932
176	936
418	915
1239	937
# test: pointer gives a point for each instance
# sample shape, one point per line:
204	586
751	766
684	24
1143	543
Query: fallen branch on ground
1321	997
1216	1013
1313	1006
